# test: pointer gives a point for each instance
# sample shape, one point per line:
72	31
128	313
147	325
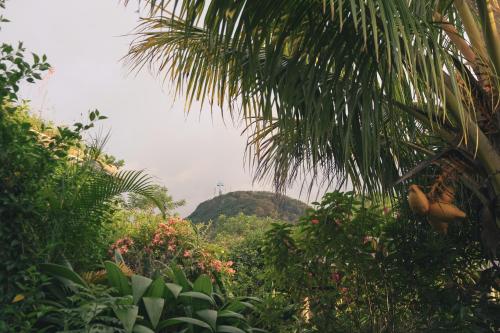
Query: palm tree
366	91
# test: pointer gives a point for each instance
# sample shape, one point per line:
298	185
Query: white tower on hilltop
220	188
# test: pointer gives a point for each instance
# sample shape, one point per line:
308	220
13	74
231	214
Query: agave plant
364	91
143	305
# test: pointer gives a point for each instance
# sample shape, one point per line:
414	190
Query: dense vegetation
66	207
258	203
90	247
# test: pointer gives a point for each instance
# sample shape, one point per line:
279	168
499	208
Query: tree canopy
360	91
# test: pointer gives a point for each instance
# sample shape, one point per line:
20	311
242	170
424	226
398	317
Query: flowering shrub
354	267
173	240
122	245
327	261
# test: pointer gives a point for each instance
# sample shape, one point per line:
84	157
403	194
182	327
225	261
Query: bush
152	243
354	267
27	165
243	240
56	193
140	304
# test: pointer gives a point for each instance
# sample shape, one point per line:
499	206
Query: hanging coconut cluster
437	204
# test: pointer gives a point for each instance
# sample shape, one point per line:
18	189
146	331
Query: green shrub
142	304
355	267
150	243
53	203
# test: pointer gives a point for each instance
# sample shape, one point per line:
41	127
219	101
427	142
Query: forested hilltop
258	203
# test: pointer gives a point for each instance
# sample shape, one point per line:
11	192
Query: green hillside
259	203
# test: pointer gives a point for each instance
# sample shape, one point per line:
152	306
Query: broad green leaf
209	316
156	288
197	295
170	273
238	306
154	307
142	329
203	284
229	329
235	306
117	279
175	289
186	320
127	316
139	286
118	257
64	272
249	305
249	298
65	262
180	278
231	314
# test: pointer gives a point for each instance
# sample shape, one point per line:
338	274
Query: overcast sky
84	42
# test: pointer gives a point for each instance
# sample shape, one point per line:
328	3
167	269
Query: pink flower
229	263
217	265
336	276
157	240
315	221
231	271
122	245
187	254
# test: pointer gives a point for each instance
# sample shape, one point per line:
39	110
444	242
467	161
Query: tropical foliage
351	266
140	304
57	194
163	200
369	93
357	91
149	245
235	230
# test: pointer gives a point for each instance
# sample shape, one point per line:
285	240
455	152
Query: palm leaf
334	89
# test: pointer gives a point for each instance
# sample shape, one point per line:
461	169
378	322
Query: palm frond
321	83
102	187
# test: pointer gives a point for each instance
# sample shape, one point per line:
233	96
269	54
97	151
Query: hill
258	203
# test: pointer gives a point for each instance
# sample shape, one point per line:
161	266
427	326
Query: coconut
448	195
417	200
445	212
